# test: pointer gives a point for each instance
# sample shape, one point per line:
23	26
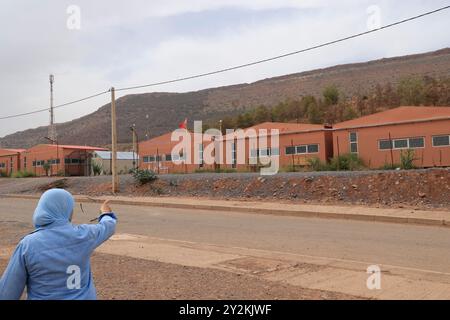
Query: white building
125	161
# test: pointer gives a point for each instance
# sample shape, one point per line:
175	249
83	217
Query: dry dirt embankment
421	189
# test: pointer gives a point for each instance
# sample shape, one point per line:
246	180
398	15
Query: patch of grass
346	162
23	174
315	164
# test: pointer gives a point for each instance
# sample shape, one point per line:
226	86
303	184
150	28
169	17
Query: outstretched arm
14	278
105	227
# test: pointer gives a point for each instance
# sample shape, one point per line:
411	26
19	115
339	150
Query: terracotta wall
368	143
9	162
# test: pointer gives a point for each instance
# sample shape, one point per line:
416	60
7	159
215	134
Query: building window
416	142
353	142
168	157
38	163
400	144
24	162
200	154
2	166
385	144
290	150
275	151
302	149
313	148
73	161
233	155
264	152
441	141
404	143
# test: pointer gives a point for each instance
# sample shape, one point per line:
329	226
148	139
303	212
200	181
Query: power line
55	107
236	67
286	54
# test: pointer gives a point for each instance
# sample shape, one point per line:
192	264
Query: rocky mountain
159	112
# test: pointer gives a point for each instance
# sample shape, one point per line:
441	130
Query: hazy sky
132	42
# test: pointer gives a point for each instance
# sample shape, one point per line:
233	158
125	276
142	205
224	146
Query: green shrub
96	169
407	158
3	174
144	176
349	161
23	174
314	164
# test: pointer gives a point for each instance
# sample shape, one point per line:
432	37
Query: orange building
297	142
10	161
379	139
63	160
161	154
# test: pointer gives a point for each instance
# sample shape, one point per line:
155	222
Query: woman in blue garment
53	262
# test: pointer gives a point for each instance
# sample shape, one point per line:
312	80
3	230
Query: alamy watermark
374	18
374	280
74	17
237	147
74	279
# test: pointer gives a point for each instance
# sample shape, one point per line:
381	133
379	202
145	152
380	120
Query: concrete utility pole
52	128
133	130
115	176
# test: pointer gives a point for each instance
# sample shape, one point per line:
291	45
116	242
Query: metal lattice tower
52	127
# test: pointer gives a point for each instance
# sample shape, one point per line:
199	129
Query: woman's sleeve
103	230
14	278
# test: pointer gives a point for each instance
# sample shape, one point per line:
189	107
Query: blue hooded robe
53	262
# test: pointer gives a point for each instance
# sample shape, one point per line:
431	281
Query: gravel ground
119	277
420	189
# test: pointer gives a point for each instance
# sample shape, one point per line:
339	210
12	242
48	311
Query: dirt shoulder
427	189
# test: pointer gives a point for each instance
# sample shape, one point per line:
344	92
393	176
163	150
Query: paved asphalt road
409	246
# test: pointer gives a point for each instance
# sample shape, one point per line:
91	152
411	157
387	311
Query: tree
331	95
244	120
228	123
411	91
314	114
262	114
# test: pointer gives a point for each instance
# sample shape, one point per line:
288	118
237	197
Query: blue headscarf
55	205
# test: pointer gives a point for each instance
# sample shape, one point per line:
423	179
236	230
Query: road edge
278	212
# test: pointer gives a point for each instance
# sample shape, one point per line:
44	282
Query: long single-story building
65	160
10	160
379	139
295	144
125	161
162	155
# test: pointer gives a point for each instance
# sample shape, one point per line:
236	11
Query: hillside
157	113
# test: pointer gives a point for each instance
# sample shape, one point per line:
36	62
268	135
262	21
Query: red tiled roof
396	116
283	127
14	150
166	138
8	152
65	146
